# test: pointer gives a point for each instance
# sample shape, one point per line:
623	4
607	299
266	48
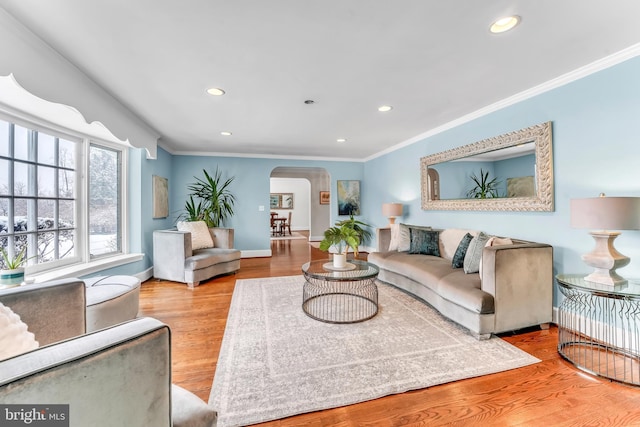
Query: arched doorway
319	180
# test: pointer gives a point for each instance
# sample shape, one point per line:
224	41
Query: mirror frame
542	201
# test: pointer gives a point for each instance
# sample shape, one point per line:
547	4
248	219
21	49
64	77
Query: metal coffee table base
340	301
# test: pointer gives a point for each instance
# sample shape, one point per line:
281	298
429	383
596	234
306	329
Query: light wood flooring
550	393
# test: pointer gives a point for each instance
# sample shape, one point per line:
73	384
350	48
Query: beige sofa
515	290
117	376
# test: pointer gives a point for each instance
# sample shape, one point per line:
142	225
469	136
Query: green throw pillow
458	257
424	242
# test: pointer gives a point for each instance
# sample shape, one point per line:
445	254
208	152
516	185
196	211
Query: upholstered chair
117	376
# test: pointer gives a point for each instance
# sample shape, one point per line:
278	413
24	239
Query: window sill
78	270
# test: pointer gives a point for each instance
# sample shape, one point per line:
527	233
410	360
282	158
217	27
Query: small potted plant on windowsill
13	272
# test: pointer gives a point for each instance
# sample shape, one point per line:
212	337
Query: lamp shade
606	213
392	209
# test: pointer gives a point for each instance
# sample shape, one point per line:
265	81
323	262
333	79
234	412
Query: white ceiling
433	60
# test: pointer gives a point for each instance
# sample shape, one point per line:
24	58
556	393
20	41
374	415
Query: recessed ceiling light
341	140
385	108
226	133
215	91
504	24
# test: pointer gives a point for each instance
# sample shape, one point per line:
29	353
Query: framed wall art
281	201
274	201
160	197
325	197
348	197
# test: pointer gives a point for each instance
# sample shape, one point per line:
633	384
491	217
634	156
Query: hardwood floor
552	392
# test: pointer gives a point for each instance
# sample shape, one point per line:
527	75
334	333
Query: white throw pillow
14	336
395	237
473	257
450	240
200	235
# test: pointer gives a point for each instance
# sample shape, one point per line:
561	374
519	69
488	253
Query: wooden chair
287	225
274	224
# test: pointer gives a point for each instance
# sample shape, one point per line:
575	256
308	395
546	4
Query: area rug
293	236
275	361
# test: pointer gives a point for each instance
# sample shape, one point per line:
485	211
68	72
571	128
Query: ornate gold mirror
510	172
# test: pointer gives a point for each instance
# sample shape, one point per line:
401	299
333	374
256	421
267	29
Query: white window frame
82	263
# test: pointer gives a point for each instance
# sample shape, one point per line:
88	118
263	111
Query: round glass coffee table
347	295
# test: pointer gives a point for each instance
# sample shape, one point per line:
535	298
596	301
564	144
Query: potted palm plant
484	188
216	200
13	272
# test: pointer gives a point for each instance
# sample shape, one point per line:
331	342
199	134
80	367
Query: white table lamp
392	210
601	215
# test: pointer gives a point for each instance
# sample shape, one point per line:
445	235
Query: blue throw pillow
424	242
458	257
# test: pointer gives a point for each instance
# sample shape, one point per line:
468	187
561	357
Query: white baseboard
144	275
256	253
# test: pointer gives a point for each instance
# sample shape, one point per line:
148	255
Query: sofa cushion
395	237
424	269
464	290
188	410
200	235
474	253
450	239
203	258
401	236
424	242
458	257
15	338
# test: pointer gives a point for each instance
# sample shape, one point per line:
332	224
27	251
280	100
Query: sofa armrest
116	376
520	278
222	237
171	248
383	238
53	311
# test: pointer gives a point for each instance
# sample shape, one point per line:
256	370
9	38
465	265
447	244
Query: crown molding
572	76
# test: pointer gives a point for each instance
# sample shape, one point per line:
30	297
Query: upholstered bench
111	300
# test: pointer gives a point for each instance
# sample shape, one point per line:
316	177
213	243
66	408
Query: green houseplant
215	204
13	273
193	211
484	188
343	235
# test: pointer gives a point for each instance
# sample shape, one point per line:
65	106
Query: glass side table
346	295
599	327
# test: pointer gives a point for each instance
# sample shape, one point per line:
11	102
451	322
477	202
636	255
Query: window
43	200
104	200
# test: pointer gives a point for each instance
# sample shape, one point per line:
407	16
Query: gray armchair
173	258
116	376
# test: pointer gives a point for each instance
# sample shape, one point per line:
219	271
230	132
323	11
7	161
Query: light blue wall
251	187
596	149
596	128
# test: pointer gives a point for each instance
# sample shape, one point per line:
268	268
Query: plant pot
339	260
11	278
